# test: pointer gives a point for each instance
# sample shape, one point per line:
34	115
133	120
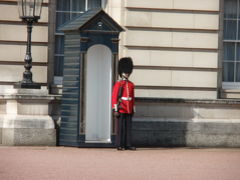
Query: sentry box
90	60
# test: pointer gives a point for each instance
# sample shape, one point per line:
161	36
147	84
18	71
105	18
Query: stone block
9	12
191	134
173	20
46	137
165	111
213	140
212	5
35	94
14	73
29	137
194	112
186	94
210	127
158	139
11	73
195	40
137	56
10	52
27	130
151	38
145	77
194	78
205	59
142	19
168	4
218	112
16	33
175	58
28	121
206	21
17	53
33	108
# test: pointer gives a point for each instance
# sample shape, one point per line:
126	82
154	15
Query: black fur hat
125	65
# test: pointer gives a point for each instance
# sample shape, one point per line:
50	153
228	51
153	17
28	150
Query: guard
123	104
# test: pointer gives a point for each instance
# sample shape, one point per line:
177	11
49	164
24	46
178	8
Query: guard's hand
116	114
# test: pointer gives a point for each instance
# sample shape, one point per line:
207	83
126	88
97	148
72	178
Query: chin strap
124	78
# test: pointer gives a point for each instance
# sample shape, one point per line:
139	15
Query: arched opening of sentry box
97	93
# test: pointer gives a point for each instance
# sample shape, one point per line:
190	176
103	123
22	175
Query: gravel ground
66	163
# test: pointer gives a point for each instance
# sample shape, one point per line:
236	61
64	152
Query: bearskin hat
125	65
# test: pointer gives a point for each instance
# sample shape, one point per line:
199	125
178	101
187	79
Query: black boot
120	148
131	148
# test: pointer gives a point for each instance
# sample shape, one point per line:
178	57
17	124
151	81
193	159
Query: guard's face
125	75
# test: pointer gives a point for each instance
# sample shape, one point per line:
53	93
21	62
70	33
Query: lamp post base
23	85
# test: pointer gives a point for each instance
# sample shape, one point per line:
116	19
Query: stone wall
174	45
187	123
27	118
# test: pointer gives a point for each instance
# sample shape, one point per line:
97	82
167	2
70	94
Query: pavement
69	163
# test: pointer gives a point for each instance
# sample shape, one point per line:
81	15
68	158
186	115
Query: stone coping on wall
27	94
193	120
138	99
188	101
29	97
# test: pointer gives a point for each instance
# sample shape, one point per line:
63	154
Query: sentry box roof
101	20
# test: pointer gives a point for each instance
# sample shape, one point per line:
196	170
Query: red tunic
127	100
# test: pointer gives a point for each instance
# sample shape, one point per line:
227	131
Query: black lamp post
29	12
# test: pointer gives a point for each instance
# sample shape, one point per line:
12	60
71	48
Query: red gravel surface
65	163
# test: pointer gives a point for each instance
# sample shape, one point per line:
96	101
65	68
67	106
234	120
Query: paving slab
68	163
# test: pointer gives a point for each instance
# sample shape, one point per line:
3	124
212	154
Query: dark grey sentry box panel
90	28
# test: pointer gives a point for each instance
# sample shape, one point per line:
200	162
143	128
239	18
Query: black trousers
124	130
